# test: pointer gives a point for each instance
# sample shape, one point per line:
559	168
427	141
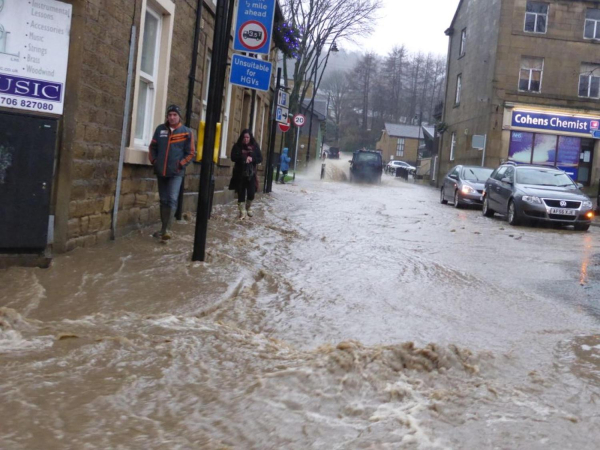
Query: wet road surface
341	316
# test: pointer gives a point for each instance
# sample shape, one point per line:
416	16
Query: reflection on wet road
341	316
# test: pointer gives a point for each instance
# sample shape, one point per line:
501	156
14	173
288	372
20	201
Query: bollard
323	166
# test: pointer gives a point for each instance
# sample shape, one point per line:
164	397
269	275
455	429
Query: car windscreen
543	177
368	157
476	174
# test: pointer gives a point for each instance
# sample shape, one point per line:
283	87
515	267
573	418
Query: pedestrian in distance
171	150
247	156
284	164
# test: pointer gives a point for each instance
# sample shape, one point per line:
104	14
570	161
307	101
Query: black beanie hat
174	108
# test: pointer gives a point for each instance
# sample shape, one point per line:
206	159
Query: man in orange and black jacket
171	150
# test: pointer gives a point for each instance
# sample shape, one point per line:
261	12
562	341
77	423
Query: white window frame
151	80
458	89
205	84
463	43
541	71
536	19
400	147
137	151
225	125
596	26
589	76
262	126
452	147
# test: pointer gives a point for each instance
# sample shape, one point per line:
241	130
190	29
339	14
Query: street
341	316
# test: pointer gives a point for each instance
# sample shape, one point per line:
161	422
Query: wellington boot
242	210
248	208
167	219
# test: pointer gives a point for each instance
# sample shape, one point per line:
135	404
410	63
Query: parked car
537	193
393	165
464	185
366	165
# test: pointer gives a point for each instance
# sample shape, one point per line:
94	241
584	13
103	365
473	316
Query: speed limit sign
299	120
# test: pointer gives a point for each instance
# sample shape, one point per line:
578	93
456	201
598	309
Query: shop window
536	17
400	147
458	89
569	149
589	81
544	149
592	24
530	78
521	147
151	77
452	146
463	42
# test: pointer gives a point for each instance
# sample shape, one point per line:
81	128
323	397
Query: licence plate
563	212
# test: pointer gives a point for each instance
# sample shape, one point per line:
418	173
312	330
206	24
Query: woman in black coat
247	156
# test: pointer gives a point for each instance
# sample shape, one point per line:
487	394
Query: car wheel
457	203
486	210
582	226
513	214
443	201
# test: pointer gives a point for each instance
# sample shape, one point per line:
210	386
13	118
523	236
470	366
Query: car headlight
468	190
587	205
532	199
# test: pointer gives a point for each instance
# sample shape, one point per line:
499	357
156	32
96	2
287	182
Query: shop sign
34	51
554	122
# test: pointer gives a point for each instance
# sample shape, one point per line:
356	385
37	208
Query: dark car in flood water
536	193
366	165
464	185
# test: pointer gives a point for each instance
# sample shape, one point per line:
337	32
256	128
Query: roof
320	108
429	131
405	131
450	30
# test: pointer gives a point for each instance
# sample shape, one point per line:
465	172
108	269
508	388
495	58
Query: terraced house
526	74
63	83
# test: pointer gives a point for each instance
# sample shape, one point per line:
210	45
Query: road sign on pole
283	99
299	120
284	128
281	115
250	73
254	26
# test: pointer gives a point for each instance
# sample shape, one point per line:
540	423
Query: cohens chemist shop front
556	139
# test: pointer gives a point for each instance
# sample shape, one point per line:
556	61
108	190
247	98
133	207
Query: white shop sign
34	51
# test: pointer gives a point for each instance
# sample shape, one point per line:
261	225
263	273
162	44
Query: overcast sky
419	24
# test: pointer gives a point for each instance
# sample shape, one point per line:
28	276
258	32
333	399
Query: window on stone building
458	89
151	76
592	24
589	80
463	42
205	83
148	77
400	147
536	17
530	79
452	146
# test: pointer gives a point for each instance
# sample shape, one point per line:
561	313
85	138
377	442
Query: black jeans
247	190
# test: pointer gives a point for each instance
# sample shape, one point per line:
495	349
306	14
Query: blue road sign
596	134
254	26
250	73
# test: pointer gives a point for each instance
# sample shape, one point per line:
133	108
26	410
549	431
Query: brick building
85	154
527	75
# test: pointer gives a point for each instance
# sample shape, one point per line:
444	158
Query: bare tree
336	87
321	23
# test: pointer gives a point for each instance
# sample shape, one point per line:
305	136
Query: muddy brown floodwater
341	317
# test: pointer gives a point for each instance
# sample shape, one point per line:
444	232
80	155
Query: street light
334	48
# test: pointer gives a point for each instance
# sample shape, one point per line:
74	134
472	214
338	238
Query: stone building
401	143
85	147
526	74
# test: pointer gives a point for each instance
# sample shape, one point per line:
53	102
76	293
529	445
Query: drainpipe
190	98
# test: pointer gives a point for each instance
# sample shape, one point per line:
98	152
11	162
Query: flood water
341	316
